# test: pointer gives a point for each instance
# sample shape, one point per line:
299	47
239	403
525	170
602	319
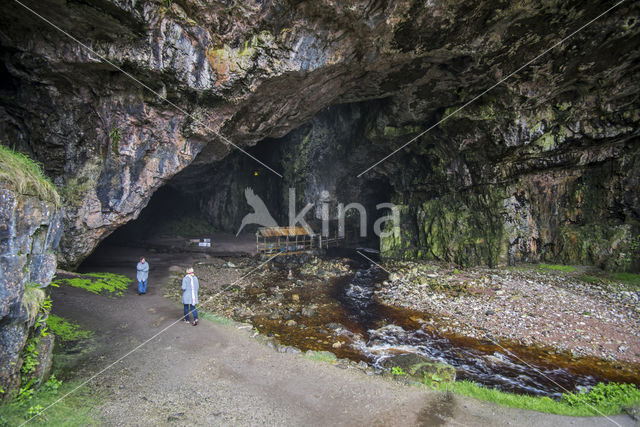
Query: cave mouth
208	199
170	212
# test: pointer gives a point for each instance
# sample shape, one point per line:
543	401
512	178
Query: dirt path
217	375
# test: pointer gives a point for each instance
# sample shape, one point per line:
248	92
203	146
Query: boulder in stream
422	368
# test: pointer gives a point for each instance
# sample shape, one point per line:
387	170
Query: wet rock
289	350
633	412
242	312
421	367
30	230
308	311
275	314
45	358
291	322
175	417
272	344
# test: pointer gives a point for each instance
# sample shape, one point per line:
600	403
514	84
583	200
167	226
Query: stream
499	368
352	324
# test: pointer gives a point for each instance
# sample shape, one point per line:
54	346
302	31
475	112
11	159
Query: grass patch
25	176
66	330
32	300
215	318
607	399
97	283
321	356
558	267
75	410
629	278
592	279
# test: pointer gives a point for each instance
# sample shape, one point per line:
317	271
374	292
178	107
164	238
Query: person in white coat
190	288
142	276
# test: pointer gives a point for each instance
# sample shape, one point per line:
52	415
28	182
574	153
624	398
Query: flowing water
496	367
373	332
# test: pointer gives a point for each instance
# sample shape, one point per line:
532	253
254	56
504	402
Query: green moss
24	176
629	278
591	279
478	112
98	283
115	137
592	244
546	142
604	399
246	50
321	356
66	330
32	300
466	230
221	320
76	409
558	267
394	132
535	129
75	189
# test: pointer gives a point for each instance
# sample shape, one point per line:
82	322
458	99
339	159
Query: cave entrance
210	199
171	212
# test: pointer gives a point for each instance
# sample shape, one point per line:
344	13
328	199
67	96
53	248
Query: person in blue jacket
190	286
143	276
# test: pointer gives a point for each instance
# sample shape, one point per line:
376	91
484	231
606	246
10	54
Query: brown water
352	324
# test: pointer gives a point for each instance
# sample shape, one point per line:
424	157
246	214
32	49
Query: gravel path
218	375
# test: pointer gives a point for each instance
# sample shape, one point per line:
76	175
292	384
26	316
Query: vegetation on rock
24	176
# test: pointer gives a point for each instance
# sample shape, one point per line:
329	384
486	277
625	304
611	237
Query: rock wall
255	70
30	230
549	186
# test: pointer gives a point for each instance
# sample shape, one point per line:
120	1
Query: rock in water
420	367
308	311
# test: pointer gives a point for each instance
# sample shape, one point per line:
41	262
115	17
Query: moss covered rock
421	368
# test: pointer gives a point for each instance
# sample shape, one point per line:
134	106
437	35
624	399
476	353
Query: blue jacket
190	287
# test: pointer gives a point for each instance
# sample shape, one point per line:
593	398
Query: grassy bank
610	399
215	318
24	176
73	410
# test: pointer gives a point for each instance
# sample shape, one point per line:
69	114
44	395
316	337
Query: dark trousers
189	308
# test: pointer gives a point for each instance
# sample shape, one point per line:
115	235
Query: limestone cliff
30	229
545	166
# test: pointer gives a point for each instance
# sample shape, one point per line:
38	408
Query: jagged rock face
30	230
256	70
